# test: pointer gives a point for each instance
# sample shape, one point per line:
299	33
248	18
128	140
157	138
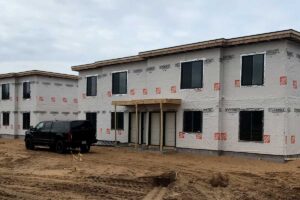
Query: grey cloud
56	34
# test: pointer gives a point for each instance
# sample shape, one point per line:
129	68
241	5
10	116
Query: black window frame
116	86
243	115
26	90
5	94
120	120
90	89
5	118
250	79
26	120
187	74
190	120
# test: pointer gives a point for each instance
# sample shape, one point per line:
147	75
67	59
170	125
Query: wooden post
161	127
115	124
137	126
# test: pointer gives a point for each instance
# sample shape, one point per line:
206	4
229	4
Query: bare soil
124	173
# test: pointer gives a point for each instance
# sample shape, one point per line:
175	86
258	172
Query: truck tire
29	144
60	147
85	148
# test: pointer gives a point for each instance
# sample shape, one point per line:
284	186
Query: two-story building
224	95
33	96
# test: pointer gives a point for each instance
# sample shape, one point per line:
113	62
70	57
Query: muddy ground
123	173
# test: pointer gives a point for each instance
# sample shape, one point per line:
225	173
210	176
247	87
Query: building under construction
224	95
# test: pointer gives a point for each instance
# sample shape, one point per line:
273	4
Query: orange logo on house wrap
217	136
293	139
237	83
64	99
75	100
199	136
41	98
158	90
283	80
267	139
295	84
173	89
53	99
145	91
109	94
107	131
223	136
132	92
181	135
217	86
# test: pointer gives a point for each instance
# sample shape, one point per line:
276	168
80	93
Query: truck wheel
29	144
85	148
60	147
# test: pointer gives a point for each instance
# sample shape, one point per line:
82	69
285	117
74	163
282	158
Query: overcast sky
54	35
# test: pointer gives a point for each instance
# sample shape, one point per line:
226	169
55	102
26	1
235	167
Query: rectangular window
253	69
251	125
92	117
192	121
119	83
192	74
91	86
120	120
5	118
5	91
26	90
26	121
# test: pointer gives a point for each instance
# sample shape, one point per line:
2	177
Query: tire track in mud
17	186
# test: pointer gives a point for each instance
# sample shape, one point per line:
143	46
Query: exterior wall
41	105
220	107
268	97
293	98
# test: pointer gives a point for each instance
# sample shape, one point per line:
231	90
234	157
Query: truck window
60	127
81	125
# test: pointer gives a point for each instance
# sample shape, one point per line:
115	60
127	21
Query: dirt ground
124	173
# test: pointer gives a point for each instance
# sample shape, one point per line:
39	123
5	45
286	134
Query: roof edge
38	73
217	43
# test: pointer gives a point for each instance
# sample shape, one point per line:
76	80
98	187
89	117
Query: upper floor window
192	121
119	83
91	86
26	90
119	122
253	69
5	91
192	74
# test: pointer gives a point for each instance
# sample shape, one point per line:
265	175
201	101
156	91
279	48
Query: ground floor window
192	121
26	121
120	120
251	125
5	119
92	117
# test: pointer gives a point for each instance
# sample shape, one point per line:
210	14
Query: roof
38	73
217	43
146	102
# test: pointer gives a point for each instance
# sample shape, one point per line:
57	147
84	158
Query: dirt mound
219	180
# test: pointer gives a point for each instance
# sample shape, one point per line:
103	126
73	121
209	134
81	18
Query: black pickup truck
61	135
